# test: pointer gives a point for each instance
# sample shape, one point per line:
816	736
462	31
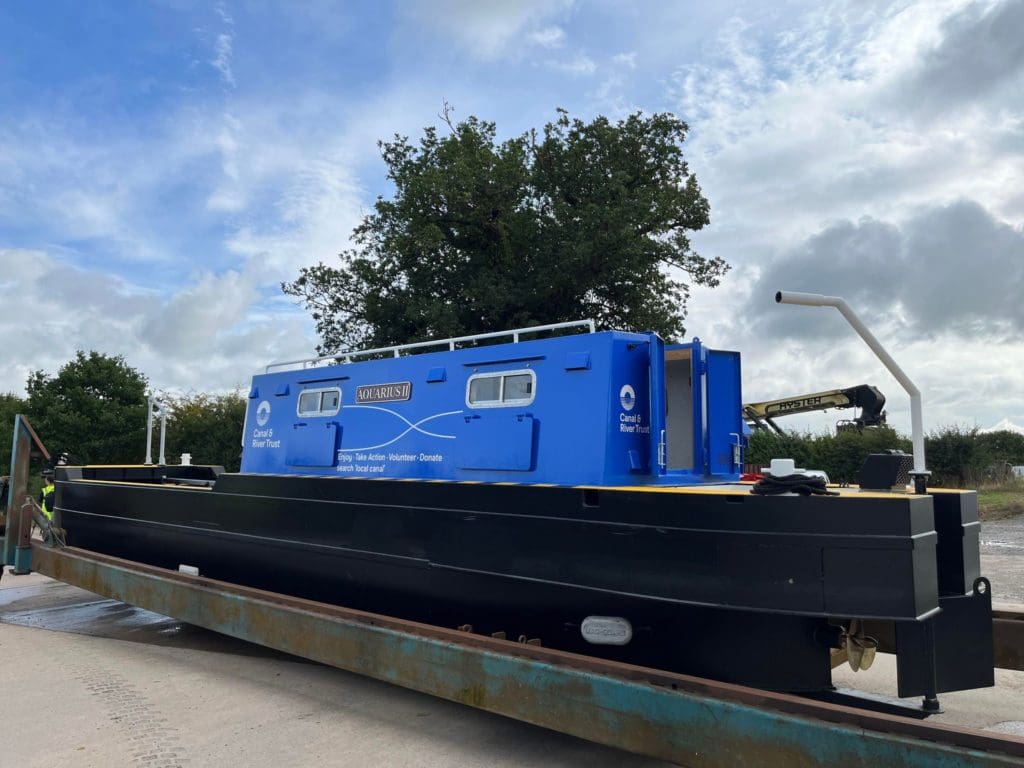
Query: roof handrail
396	351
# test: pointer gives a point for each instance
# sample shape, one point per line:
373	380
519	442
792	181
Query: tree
581	221
209	427
1001	447
10	406
94	409
953	456
840	455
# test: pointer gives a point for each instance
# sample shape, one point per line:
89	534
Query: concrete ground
92	682
1002	551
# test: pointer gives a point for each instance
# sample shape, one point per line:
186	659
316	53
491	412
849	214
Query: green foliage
482	235
956	456
840	455
846	451
10	406
93	409
953	457
765	445
1003	446
965	457
207	426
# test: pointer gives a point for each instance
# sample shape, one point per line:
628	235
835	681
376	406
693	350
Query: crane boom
864	396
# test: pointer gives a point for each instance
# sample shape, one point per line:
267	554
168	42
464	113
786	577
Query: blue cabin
605	409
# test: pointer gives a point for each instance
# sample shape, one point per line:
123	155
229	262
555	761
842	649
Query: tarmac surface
1002	552
89	681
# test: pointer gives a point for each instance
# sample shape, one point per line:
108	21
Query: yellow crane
864	396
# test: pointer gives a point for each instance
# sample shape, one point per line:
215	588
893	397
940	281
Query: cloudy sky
165	165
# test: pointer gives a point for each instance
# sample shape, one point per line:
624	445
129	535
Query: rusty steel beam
686	720
1008	626
37	444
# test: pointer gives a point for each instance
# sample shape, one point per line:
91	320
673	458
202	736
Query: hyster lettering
792	405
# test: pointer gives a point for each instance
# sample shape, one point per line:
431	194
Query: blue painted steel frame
596	416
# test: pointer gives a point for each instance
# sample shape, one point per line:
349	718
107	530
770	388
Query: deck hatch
313	445
497	441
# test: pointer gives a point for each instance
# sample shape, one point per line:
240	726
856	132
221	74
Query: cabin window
497	390
518	388
485	390
320	402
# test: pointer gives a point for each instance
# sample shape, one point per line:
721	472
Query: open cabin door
679	411
703	411
724	413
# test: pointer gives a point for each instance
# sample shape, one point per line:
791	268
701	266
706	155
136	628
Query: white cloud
548	37
836	120
203	336
228	196
577	65
222	61
627	60
223	47
87	187
490	30
204	320
833	137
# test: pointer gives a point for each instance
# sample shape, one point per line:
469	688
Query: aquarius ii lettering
384	393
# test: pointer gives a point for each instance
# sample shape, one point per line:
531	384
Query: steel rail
688	720
450	343
1008	630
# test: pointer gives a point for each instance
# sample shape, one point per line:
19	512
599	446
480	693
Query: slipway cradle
577	490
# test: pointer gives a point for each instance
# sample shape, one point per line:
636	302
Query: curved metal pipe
916	420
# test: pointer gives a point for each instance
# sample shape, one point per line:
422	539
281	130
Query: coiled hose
805	485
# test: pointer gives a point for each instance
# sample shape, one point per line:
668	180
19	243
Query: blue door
724	412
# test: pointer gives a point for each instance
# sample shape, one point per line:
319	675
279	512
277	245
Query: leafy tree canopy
580	221
93	409
207	426
10	406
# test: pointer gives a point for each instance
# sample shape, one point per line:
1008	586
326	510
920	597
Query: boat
563	486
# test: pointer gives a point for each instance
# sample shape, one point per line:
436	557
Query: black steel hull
730	586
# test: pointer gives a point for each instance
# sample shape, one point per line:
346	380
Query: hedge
956	456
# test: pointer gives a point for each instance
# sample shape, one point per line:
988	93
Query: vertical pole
930	703
919	473
18	528
163	434
149	431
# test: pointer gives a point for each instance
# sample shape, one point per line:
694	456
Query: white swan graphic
412	427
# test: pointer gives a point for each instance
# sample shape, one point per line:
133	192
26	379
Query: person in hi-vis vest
46	495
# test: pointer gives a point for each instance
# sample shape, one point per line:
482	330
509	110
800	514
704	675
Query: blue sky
165	165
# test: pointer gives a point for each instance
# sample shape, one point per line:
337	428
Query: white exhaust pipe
920	474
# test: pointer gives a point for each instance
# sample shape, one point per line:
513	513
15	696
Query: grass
998	502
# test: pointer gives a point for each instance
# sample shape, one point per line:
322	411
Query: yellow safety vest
47	490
